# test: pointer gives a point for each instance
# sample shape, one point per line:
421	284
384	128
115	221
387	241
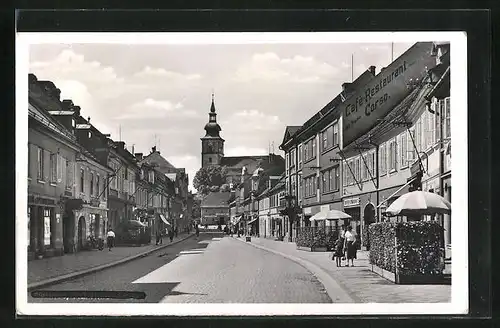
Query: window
411	148
300	155
82	176
331	179
91	183
69	175
53	168
29	160
151	176
447	126
326	180
438	107
97	189
300	188
404	150
210	159
29	225
40	164
383	159
47	227
418	135
335	134
313	147
306	151
392	155
325	136
365	166
292	158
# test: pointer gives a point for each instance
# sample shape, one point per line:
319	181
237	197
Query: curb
73	275
336	293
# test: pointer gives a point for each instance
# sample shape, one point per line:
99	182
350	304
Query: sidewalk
362	285
54	269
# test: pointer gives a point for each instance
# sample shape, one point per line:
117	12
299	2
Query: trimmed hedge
316	237
416	244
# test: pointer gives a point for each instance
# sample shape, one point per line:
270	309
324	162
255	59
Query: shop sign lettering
374	100
350	202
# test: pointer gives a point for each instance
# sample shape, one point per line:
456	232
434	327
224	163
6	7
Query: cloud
252	120
150	108
149	72
298	69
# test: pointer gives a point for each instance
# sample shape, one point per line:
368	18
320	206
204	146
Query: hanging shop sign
374	100
351	202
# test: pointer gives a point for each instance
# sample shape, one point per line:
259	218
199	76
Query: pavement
213	269
359	283
56	269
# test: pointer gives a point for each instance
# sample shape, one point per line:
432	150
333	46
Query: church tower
212	145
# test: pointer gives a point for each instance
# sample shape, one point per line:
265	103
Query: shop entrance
68	232
81	232
368	218
355	221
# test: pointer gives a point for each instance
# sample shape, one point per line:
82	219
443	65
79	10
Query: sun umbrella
329	215
419	203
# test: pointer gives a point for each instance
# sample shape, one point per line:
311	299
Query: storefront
89	221
44	227
352	206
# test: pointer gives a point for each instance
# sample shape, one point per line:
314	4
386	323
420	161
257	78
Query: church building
212	153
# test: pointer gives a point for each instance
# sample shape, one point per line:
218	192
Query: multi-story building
399	145
66	196
313	167
270	218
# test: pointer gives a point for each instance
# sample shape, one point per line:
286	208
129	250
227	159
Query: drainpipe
377	176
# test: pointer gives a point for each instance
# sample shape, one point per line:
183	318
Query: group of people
345	247
172	232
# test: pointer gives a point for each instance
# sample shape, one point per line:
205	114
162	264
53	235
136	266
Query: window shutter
59	168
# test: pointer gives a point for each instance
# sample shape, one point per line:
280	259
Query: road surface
208	270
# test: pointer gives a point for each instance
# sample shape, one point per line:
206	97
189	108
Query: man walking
111	239
197	232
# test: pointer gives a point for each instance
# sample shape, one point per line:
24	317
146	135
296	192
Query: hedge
316	237
418	247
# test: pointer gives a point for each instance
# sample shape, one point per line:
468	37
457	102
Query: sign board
375	99
350	202
325	208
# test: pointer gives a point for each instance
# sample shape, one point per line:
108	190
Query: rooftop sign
375	99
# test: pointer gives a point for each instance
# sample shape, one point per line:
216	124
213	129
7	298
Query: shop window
47	227
335	134
300	155
41	161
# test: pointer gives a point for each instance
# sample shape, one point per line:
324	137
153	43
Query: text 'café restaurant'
396	136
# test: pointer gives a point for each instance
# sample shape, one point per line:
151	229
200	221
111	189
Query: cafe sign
350	202
375	99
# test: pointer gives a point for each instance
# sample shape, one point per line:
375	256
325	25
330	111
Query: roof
240	161
163	165
290	131
216	199
171	176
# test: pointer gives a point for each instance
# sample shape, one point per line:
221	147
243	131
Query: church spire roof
212	128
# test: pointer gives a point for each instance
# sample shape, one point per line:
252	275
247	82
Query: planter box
312	249
409	279
248	238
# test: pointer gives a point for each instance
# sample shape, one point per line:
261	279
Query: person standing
197	232
350	245
110	239
171	234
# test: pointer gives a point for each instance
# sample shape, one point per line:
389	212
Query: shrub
414	246
316	237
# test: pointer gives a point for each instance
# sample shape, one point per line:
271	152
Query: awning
329	215
252	221
164	220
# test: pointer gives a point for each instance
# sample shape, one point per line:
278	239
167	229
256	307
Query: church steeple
212	128
212	145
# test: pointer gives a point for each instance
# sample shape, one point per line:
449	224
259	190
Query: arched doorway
368	218
82	231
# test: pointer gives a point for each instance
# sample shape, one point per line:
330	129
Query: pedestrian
338	252
171	234
350	246
197	232
176	231
110	239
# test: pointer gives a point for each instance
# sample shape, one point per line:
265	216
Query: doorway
368	218
81	232
68	232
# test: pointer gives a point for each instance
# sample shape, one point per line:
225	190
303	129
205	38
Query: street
213	269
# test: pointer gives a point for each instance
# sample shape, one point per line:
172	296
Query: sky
147	94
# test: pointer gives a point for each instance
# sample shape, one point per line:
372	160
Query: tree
210	179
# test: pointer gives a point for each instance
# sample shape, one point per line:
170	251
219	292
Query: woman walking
350	245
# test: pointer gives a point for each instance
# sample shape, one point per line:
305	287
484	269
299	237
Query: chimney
138	156
77	109
153	149
372	70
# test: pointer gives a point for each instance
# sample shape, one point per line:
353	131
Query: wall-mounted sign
374	100
350	202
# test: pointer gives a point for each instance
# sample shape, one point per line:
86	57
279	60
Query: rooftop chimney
32	78
372	70
138	156
76	109
153	149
